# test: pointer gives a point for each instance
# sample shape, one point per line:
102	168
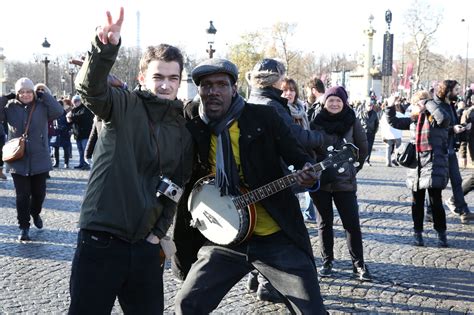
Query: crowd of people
140	170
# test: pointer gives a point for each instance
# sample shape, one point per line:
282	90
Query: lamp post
46	61
72	72
211	32
467	53
63	85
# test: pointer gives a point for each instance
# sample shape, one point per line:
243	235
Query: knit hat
24	84
338	91
213	66
75	98
266	72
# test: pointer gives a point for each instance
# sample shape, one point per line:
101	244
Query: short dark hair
316	83
163	52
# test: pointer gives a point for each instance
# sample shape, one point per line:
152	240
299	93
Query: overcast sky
322	26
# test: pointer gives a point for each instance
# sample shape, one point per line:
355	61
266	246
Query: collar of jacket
159	109
271	93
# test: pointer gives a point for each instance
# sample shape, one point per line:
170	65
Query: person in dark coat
428	124
370	122
62	139
30	172
338	124
243	144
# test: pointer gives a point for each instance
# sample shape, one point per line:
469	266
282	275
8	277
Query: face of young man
216	92
453	95
162	78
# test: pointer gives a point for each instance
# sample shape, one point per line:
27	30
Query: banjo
230	220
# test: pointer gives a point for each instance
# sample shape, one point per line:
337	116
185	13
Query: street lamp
467	53
46	61
211	32
72	72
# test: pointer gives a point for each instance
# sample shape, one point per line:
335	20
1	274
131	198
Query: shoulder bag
406	155
14	149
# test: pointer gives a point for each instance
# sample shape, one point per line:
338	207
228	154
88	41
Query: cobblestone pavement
34	276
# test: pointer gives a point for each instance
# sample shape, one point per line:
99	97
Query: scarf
299	115
227	174
422	143
338	123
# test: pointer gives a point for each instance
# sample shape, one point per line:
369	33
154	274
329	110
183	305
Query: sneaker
362	273
252	282
326	270
24	235
418	239
452	207
37	221
442	239
66	165
394	162
465	219
269	294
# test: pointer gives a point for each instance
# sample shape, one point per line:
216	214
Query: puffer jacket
36	159
346	180
142	137
432	169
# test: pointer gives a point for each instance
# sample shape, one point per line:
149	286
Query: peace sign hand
110	33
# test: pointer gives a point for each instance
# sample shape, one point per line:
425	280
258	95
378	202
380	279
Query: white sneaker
448	203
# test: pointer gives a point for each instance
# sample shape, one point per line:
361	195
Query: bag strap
25	134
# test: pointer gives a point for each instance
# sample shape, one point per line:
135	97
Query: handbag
14	149
406	155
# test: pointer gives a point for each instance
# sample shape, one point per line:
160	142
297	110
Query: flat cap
212	66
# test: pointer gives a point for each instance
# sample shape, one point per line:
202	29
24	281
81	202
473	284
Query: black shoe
418	239
24	235
442	239
38	222
56	164
252	282
86	167
78	167
362	273
269	293
66	165
394	162
326	270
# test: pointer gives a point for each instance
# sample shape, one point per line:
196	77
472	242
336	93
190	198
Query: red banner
408	74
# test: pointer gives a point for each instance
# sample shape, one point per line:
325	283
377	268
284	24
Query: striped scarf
422	143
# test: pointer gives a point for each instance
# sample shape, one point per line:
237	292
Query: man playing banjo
243	145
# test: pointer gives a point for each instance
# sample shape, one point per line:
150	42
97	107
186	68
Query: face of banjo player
216	92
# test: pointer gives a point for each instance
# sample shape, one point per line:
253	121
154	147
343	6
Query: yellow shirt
265	224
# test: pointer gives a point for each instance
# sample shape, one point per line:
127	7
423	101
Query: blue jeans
275	256
456	183
105	267
81	147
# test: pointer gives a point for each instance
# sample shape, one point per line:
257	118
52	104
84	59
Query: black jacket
264	140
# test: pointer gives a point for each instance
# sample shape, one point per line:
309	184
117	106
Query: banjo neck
269	189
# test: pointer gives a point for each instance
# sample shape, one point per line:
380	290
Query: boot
24	235
2	176
418	239
442	239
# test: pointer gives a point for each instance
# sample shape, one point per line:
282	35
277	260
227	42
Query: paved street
34	276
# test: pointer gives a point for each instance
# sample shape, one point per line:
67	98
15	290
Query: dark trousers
456	183
81	147
105	267
370	142
418	211
346	204
288	268
30	193
67	153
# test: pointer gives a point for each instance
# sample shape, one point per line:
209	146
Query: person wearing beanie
265	80
142	148
243	144
338	124
29	173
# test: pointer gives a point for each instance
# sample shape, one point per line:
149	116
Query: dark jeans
370	142
456	183
418	209
105	267
67	154
346	204
81	147
30	193
288	268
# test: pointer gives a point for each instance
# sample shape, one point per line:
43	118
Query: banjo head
215	216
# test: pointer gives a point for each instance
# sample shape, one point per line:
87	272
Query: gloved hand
39	94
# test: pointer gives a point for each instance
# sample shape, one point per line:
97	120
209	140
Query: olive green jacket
137	128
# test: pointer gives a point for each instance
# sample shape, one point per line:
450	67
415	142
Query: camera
169	189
